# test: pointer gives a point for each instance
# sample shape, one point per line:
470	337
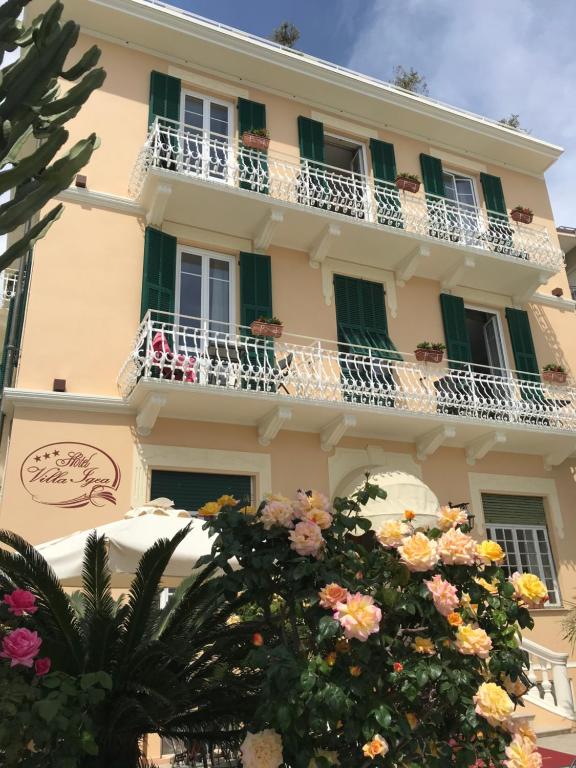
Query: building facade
138	374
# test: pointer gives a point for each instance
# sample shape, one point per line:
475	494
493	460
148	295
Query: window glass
205	291
219	119
194	112
191	288
219	294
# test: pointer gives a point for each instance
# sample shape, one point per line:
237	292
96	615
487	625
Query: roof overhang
198	43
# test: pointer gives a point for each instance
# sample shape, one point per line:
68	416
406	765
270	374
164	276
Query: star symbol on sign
56	453
46	455
37	458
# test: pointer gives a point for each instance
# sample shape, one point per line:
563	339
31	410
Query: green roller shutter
384	170
455	330
361	316
255	287
159	278
522	344
493	194
501	509
311	135
9	323
432	175
164	97
253	164
190	490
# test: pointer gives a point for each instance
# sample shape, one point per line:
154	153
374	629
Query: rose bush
398	647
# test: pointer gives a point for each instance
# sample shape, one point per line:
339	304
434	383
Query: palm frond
57	620
139	616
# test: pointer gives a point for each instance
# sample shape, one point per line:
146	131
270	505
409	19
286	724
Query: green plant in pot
408	182
430	351
267	326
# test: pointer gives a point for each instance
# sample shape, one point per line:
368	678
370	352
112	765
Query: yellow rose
392	533
490	552
489	586
454	619
529	590
457	548
493	703
419	553
451	517
210	509
227	501
521	753
473	641
424	645
377	746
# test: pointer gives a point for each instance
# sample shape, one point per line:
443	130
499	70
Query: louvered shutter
159	278
455	330
493	194
504	509
253	164
255	287
387	197
432	175
361	316
311	136
191	490
522	345
164	97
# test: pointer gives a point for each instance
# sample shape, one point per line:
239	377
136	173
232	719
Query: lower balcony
185	368
210	181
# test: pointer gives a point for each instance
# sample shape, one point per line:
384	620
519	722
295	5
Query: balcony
208	181
187	369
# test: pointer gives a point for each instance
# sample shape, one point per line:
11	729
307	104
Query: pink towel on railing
162	353
159	343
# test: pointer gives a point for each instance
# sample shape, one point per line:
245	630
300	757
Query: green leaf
48	709
327	628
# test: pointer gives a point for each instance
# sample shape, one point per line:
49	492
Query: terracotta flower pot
555	377
271	330
522	217
253	141
429	355
407	185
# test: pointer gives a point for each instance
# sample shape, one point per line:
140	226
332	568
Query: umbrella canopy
128	539
404	491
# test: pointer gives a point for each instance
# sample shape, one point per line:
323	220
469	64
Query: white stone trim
343	125
103	200
208	83
149	456
458	161
30	398
347	464
331	266
537	486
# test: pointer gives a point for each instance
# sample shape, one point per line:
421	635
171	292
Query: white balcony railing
8	280
194	353
548	673
216	159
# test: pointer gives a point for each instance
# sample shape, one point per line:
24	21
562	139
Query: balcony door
207	137
462	207
346	175
488	357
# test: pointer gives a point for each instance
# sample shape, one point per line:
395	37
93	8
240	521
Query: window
347	165
486	345
462	206
205	290
518	524
191	490
207	127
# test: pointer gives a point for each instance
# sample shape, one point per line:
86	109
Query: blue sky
494	57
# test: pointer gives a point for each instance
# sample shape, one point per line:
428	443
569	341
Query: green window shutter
255	287
159	278
383	160
361	314
501	509
432	175
493	194
9	323
522	344
311	135
251	115
190	490
455	330
164	97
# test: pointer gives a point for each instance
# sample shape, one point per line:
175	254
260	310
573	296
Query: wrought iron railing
217	159
8	280
201	354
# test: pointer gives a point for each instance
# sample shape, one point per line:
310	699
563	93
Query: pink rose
359	616
21	646
306	539
444	594
20	602
42	666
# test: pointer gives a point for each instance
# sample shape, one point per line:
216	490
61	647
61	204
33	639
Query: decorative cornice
102	200
63	401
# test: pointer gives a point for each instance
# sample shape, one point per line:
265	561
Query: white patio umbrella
128	539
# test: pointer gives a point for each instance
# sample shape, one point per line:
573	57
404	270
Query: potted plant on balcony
522	215
256	138
408	182
554	373
270	327
429	352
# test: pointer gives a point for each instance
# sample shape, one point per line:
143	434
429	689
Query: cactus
33	113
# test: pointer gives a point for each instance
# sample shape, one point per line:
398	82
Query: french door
207	137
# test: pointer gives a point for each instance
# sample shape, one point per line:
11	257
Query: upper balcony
189	177
181	367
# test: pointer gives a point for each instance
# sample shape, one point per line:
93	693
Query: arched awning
404	491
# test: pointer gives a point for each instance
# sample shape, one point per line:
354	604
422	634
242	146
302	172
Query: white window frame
363	172
472	184
205	284
511	527
492	311
208	100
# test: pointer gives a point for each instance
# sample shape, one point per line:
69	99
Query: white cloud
494	57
